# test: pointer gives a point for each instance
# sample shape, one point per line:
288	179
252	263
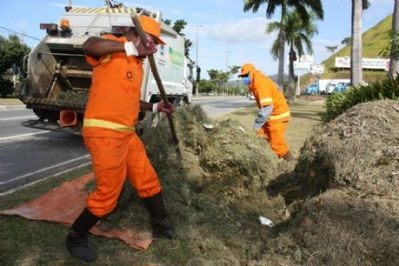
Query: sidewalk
9	103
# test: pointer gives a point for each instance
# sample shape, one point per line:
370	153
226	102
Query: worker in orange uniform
108	131
273	112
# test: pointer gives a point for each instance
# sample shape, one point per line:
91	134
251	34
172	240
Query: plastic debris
208	126
265	221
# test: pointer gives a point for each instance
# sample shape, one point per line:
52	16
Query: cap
152	27
245	69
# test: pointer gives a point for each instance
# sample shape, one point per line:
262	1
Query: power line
22	34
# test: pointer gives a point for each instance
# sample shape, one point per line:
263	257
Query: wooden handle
155	73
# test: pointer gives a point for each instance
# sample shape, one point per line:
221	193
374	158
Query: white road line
23	135
18	118
43	179
228	112
45	169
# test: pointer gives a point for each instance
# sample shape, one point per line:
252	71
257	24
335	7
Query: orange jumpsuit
108	131
267	93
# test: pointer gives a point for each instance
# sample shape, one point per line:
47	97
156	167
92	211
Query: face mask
246	80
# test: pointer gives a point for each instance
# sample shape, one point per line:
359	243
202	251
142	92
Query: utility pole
196	57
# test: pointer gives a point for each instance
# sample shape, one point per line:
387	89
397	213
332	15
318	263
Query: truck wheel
39	113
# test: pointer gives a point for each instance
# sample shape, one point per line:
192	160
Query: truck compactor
58	78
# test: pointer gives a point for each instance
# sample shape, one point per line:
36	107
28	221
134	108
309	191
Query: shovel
155	73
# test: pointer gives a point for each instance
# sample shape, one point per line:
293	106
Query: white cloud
243	30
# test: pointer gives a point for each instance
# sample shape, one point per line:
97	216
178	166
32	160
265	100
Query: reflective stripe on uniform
280	116
266	101
107	124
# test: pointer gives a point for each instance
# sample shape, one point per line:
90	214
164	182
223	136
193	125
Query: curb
17	106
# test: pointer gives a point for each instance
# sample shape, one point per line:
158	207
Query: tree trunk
291	77
394	64
280	76
281	52
356	55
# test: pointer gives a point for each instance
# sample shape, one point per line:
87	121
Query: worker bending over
273	114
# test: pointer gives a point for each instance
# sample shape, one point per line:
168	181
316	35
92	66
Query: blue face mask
246	80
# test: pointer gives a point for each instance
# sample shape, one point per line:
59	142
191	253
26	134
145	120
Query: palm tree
394	64
298	36
356	39
302	7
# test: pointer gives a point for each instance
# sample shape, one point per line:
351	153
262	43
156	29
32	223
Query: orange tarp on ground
65	203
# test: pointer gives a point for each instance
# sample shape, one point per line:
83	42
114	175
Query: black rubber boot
161	227
76	241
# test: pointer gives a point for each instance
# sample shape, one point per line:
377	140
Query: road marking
18	118
23	135
10	191
45	169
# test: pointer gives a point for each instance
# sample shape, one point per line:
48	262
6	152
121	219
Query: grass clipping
214	193
338	207
348	175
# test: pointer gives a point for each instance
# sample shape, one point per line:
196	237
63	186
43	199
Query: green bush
338	103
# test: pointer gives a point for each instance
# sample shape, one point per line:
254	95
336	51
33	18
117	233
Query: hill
374	40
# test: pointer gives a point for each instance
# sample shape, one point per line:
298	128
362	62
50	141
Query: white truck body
170	58
58	78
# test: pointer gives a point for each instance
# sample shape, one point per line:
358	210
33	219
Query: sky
226	35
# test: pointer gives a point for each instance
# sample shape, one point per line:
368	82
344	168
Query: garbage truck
58	78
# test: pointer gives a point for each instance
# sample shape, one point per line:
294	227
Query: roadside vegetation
12	52
338	103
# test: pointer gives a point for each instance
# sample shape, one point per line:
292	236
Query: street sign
304	62
316	69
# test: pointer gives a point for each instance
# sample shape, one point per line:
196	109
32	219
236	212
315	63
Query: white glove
130	49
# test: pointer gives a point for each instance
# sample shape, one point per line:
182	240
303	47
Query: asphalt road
28	155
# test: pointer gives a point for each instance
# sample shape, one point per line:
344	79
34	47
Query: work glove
137	48
162	107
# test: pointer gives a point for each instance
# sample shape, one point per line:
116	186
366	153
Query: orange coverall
108	131
267	93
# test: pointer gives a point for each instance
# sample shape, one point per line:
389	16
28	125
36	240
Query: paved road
28	155
217	106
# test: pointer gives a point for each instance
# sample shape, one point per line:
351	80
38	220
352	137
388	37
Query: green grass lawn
24	242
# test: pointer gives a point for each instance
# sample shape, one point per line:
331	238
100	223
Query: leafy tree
234	70
187	45
167	21
179	25
219	75
332	49
346	41
12	53
302	7
206	86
